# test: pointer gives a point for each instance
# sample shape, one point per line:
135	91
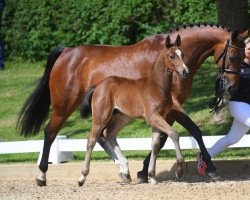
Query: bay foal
148	98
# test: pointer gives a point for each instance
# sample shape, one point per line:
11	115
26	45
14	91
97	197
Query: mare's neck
199	43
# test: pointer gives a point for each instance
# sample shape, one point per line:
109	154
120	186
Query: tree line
31	28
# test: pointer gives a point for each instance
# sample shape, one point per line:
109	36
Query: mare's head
172	57
229	56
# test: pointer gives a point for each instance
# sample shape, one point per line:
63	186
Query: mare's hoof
142	177
80	184
40	182
152	181
213	175
126	178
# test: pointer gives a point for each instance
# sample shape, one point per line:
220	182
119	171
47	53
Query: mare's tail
86	104
36	108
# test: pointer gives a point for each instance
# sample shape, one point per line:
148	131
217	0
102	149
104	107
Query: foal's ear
246	34
178	41
167	42
235	35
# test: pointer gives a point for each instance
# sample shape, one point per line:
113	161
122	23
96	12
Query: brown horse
148	98
70	71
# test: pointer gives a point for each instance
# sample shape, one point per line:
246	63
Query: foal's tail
36	108
86	104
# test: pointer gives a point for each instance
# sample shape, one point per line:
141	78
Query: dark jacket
243	92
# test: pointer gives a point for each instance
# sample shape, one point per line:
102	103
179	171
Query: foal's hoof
80	184
126	178
179	170
213	175
142	177
40	182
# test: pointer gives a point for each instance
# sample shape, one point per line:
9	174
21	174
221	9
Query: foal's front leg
157	121
155	150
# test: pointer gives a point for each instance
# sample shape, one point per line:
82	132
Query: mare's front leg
194	130
157	121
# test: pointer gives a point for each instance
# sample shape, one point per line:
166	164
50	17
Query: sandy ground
18	182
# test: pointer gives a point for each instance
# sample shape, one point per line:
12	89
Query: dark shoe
202	166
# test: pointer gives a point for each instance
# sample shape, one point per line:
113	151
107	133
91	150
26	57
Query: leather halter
224	56
219	83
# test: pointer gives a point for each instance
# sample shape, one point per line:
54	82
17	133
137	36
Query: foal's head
172	58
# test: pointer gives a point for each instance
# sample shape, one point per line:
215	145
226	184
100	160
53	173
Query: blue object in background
1	40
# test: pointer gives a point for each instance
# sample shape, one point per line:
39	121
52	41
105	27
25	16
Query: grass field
18	80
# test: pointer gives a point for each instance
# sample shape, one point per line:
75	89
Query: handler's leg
241	125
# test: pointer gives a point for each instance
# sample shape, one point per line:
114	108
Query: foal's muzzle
185	73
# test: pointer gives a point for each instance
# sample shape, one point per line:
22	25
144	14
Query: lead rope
216	104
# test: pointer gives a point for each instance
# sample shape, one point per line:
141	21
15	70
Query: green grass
19	79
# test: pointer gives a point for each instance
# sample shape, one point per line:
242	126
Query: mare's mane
198	25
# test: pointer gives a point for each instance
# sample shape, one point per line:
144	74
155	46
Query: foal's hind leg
101	115
110	133
95	132
158	122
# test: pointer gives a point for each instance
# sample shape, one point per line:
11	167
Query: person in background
1	40
239	106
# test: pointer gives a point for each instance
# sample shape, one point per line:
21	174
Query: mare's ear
167	42
246	34
235	35
178	41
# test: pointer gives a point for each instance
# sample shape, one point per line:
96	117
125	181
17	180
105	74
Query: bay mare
70	71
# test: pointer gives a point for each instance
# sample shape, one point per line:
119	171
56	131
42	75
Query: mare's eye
232	58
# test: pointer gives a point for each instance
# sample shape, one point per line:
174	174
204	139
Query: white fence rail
62	147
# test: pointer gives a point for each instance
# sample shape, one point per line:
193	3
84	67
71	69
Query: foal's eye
171	57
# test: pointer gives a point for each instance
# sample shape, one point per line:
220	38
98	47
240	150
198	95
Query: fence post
56	156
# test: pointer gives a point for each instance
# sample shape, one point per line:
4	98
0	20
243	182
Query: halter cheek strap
223	56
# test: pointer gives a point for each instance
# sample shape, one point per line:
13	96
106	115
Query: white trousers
241	125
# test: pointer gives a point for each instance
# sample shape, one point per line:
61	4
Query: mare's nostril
231	89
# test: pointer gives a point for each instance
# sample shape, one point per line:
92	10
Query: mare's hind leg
56	122
158	122
110	133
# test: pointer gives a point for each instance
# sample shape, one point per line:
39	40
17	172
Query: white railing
62	148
